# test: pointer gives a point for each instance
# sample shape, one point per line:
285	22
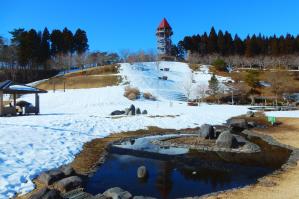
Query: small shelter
14	89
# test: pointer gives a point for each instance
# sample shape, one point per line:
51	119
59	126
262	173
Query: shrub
219	64
149	96
132	93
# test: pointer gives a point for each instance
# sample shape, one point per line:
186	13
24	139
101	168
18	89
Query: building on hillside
164	45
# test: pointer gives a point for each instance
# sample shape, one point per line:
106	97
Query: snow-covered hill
146	76
32	144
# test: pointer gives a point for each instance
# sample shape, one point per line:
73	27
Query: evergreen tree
68	41
45	47
214	85
212	44
56	42
221	43
80	41
238	45
229	46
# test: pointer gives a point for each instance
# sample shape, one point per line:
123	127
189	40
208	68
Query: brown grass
131	93
149	96
282	185
194	67
100	70
79	82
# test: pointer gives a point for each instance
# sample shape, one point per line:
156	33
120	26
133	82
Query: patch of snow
32	144
22	88
290	114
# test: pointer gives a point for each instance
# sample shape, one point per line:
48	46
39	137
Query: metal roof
164	24
10	87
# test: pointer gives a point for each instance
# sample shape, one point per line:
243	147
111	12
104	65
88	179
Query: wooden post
37	103
14	99
1	103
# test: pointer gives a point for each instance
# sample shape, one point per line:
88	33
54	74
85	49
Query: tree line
32	55
223	43
34	49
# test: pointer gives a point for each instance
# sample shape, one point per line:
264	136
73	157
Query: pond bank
89	158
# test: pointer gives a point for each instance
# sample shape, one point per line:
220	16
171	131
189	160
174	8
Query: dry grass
132	93
100	70
149	96
192	140
282	185
79	82
194	67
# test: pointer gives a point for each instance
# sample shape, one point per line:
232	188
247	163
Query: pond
181	173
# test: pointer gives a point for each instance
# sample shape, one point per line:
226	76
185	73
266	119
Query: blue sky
113	25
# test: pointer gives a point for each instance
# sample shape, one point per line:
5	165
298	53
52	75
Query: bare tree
187	84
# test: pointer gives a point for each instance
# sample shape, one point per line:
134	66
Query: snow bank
32	144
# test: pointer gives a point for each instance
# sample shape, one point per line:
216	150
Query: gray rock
48	178
250	114
138	111
238	124
132	109
252	124
100	196
117	193
68	183
144	112
207	131
52	194
226	140
39	194
46	193
250	147
143	197
118	112
127	111
141	172
67	170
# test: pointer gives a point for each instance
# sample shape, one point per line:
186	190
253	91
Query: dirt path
283	185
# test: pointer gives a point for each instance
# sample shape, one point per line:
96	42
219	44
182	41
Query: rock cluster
129	111
57	181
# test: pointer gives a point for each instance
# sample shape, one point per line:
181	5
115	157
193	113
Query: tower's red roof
164	24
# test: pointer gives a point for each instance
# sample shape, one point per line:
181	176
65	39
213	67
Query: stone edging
164	143
292	161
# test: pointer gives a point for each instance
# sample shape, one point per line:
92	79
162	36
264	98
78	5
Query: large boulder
144	112
39	194
67	170
207	131
46	193
118	112
117	193
250	114
237	124
132	110
141	172
226	140
48	178
69	183
138	111
52	194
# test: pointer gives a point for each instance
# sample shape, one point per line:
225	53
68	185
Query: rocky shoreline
64	181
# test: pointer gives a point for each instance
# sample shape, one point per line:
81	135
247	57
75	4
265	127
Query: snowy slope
145	76
32	144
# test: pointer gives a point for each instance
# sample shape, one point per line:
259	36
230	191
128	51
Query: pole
232	97
1	103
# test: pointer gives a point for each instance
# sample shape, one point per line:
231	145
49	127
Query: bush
149	96
219	64
132	93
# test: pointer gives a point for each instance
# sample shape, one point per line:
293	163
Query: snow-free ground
32	144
